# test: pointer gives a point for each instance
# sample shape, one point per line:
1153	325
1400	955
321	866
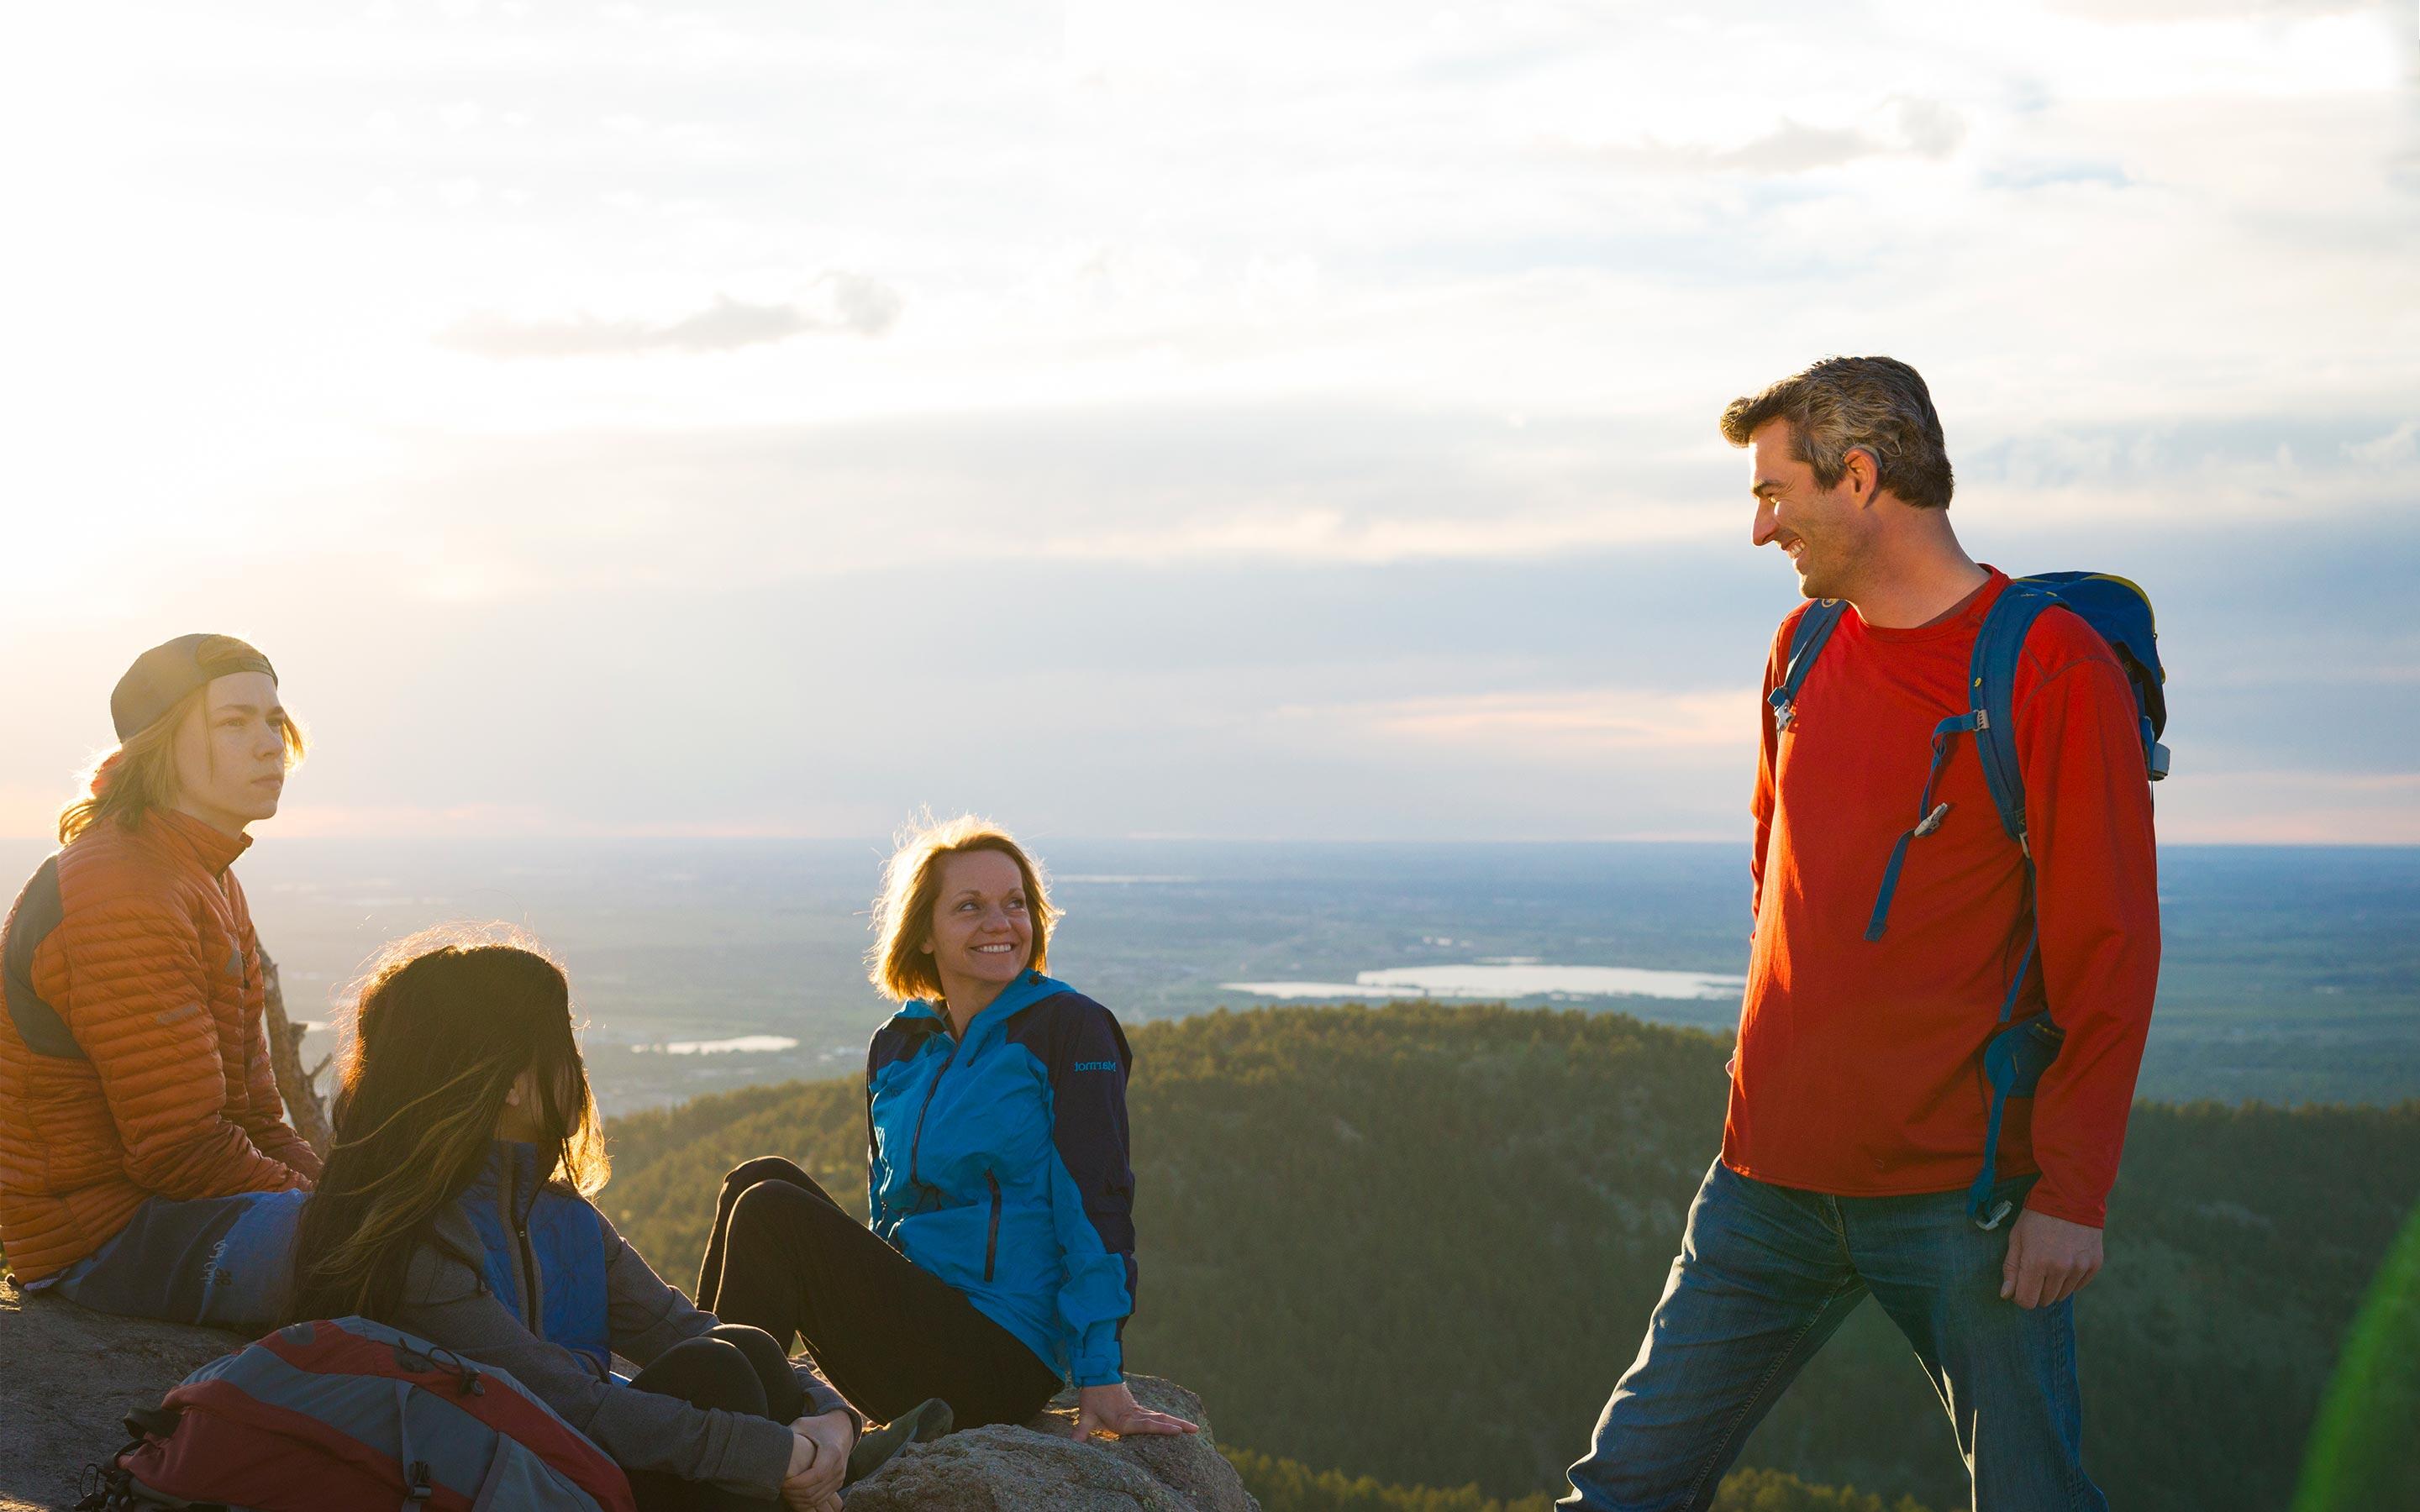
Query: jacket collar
508	1158
1029	988
180	834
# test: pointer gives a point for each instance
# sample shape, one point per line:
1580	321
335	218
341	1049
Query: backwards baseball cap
173	669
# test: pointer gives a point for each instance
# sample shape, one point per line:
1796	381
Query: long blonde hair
140	773
903	916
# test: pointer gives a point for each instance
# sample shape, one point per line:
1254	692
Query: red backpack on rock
352	1416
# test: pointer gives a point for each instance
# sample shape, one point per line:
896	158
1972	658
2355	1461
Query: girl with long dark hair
454	1207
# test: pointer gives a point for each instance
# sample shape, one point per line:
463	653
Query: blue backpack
2019	1050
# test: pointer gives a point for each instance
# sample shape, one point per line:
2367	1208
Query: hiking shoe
921	1424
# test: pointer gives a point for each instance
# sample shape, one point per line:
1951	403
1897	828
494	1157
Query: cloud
2401	445
1917	128
2298	806
840	301
1561	724
2170	11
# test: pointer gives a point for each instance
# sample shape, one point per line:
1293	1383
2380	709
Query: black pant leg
785	1399
742	1176
703	1372
886	1332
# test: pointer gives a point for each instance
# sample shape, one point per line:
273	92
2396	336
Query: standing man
1858	1101
145	1166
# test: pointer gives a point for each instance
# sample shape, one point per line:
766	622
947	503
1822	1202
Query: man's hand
2049	1261
818	1458
1114	1410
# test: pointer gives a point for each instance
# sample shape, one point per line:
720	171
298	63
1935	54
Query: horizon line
1189	838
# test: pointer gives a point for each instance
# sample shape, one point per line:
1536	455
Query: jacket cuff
1099	1359
821	1398
2044	1200
759	1456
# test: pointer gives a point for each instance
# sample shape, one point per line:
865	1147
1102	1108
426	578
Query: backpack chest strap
1815	627
1928	815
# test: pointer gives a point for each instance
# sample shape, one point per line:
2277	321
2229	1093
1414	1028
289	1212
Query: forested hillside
1289	1486
1418	1242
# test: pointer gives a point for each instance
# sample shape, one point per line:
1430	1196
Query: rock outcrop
1002	1469
67	1375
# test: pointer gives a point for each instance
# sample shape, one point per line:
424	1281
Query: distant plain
2290	974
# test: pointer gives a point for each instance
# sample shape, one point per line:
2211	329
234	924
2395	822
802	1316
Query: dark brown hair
1875	405
445	1022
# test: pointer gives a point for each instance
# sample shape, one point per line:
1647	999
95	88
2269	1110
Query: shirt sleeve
640	1430
1089	1069
644	1316
2088	826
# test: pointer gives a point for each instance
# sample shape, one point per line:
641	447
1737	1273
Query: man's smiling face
1822	530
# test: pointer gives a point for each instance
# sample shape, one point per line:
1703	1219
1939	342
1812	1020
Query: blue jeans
1765	1276
222	1263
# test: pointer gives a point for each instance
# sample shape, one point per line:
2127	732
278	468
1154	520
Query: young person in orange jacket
145	1164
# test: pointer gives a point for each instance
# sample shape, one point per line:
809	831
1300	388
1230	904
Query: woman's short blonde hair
903	916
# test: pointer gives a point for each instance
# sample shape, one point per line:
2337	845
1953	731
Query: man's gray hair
1875	405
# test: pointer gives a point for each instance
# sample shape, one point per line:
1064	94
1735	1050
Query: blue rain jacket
999	1162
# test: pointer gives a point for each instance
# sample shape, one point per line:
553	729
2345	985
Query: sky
1134	418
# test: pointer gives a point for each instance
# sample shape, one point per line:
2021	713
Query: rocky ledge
67	1375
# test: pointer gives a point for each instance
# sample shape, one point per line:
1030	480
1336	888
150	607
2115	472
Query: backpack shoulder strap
1815	627
1992	687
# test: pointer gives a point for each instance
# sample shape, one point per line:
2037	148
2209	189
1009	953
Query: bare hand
2049	1261
812	1481
1112	1409
834	1432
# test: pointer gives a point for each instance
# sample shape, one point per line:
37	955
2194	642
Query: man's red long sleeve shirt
1859	1069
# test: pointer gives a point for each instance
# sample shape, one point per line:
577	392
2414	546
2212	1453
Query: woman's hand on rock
1114	1410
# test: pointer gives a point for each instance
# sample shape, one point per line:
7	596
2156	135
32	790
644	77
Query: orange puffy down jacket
133	1059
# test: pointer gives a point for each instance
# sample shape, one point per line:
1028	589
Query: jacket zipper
529	1283
507	1188
991	1245
916	1146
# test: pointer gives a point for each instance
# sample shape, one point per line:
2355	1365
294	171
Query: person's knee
768	1205
762	1168
762	1354
783	1398
707	1371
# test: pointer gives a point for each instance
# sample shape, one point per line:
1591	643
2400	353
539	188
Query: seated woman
1001	1260
454	1207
